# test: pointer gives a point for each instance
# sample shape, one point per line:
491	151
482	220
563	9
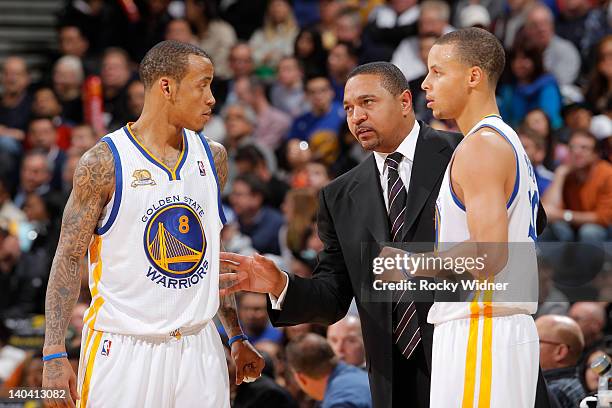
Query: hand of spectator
563	170
58	375
249	363
16	134
253	273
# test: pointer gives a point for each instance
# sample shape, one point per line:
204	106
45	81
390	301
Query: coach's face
193	100
376	117
446	82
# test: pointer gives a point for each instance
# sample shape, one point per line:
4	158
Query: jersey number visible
184	224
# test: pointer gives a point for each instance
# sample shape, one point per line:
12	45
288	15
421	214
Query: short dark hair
311	355
351	50
586	134
168	58
392	79
250	154
478	47
256	185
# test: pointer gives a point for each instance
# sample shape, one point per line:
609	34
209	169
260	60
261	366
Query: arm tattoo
227	307
92	187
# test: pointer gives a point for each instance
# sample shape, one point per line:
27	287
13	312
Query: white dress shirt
407	149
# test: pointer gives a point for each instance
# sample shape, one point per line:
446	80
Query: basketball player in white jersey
146	208
485	352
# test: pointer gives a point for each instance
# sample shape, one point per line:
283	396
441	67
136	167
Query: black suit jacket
352	219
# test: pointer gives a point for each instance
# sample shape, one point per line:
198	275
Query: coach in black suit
353	216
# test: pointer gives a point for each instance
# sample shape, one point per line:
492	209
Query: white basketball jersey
154	258
521	270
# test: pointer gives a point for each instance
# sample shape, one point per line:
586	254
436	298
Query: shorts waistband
176	334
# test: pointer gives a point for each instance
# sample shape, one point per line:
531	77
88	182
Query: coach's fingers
230	256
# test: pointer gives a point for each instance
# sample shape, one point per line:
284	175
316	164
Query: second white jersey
521	270
154	259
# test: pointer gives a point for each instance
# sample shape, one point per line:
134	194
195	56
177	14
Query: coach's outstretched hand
249	363
253	273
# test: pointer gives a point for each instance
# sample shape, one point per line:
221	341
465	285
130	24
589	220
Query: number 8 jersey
520	295
154	258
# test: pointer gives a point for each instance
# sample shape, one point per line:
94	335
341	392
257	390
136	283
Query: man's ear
477	76
300	378
406	101
166	86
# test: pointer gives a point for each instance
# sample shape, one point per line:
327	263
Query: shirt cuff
277	303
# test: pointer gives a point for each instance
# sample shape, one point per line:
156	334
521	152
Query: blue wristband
54	356
236	338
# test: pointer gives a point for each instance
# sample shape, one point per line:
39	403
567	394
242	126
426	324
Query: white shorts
158	372
485	362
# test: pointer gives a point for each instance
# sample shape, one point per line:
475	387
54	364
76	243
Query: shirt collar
406	148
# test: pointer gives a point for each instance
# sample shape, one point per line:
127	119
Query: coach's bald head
561	341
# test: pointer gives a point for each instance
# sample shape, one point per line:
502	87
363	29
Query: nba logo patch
106	345
202	168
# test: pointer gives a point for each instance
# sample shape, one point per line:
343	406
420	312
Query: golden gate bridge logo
174	241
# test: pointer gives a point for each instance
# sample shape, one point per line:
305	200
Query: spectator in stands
231	237
348	29
591	317
391	22
214	35
275	39
35	176
42	136
346	340
73	43
250	160
310	53
341	60
535	147
253	315
47	105
561	344
135	99
561	58
68	77
590	378
468	14
299	209
530	87
179	29
425	42
318	175
577	116
508	24
72	159
83	138
325	113
272	124
550	299
579	201
320	375
261	223
599	88
287	92
116	76
15	103
241	65
537	120
9	212
582	24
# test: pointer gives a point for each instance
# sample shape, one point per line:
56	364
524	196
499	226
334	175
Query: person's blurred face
34	172
605	59
115	71
179	30
298	153
305	45
539	27
346	30
347	343
339	61
243	90
425	44
242	200
536	121
34	208
399	6
293	332
237	125
517	4
317	175
278	11
373	114
579	118
522	67
320	95
253	312
192	100
536	155
15	77
136	97
591	378
241	61
288	72
83	138
66	81
446	83
45	103
42	134
582	151
71	42
430	22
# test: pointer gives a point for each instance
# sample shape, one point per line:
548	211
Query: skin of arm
92	187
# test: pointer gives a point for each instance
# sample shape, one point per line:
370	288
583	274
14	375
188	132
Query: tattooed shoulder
220	158
95	173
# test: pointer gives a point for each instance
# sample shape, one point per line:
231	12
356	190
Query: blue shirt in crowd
347	387
304	126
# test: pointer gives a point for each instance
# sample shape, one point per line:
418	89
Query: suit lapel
430	160
367	197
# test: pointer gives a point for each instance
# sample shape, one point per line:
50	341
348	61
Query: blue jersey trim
212	165
118	187
183	158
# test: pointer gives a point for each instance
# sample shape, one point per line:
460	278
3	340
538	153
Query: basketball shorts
485	362
186	370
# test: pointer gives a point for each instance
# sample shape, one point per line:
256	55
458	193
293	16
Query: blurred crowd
280	70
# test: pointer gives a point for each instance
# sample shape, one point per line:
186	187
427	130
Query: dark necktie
406	333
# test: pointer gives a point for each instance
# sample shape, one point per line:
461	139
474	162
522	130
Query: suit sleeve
326	297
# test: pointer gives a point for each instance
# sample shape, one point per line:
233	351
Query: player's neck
474	112
154	129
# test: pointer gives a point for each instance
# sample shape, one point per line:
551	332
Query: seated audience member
253	316
537	120
231	237
287	92
591	317
346	340
589	377
35	175
83	138
320	375
341	60
9	212
47	105
599	88
561	345
310	53
578	202
15	103
324	114
42	136
535	147
68	77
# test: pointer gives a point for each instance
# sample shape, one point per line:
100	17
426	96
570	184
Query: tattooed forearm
220	159
92	187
